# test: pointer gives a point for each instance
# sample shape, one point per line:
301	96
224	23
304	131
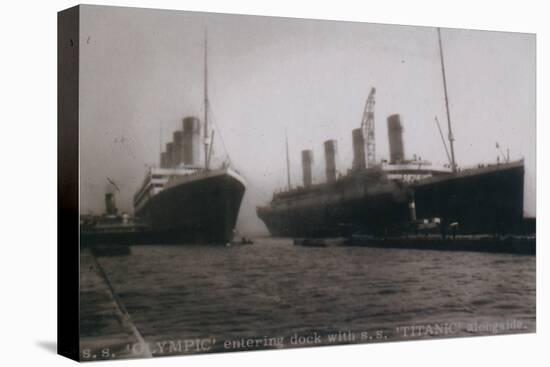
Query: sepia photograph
253	183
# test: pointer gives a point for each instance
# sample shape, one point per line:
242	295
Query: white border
28	264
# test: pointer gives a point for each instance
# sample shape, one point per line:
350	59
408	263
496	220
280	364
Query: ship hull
203	210
363	202
485	200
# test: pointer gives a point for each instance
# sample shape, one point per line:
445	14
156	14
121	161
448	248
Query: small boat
246	241
243	241
320	242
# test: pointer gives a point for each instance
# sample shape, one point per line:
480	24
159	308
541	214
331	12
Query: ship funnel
178	147
163	160
331	150
395	136
307	162
110	205
358	149
169	155
191	140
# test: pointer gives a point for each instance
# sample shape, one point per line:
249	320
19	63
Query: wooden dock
520	245
106	330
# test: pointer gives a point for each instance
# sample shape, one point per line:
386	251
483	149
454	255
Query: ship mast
451	137
206	137
287	162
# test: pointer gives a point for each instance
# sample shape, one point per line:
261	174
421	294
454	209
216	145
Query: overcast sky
141	72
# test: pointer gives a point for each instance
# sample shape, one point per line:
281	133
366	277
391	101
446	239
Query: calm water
275	289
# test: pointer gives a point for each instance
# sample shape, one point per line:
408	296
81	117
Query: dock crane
367	125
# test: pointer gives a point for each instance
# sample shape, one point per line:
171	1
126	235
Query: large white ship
187	201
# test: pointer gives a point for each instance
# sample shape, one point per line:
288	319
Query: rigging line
209	112
206	132
113	183
250	183
213	120
443	140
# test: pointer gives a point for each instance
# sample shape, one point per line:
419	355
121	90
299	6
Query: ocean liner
390	197
184	201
